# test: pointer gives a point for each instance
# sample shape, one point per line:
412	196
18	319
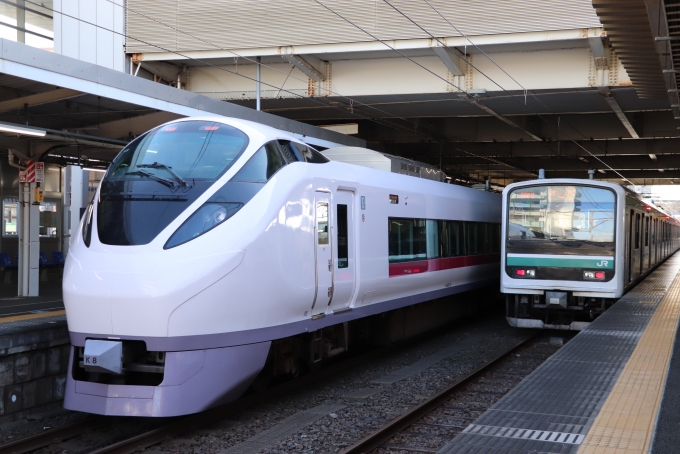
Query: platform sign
35	172
22	176
39	172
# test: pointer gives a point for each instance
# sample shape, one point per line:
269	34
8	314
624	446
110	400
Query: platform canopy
488	90
68	111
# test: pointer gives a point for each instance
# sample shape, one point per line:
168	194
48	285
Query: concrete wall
91	30
33	366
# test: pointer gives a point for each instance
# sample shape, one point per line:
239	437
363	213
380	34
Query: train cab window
87	225
303	152
343	238
262	166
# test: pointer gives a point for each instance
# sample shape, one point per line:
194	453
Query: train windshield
577	220
181	151
158	175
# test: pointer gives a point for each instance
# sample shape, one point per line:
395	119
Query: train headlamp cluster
525	273
206	218
593	275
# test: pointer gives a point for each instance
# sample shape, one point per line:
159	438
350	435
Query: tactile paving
555	408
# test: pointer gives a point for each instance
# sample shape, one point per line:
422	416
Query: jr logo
603	263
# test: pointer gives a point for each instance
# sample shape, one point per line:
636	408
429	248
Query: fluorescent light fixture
15	129
661	170
92	169
601	171
653	156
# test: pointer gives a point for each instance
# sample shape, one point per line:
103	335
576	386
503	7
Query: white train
216	249
572	247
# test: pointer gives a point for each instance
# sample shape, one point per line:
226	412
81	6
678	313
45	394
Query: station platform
613	389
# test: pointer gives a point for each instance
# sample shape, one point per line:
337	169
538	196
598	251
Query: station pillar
29	241
76	198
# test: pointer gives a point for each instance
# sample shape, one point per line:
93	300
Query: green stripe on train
566	262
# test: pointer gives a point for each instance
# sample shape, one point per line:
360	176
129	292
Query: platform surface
602	392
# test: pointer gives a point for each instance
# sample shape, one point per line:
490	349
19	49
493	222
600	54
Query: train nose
123	294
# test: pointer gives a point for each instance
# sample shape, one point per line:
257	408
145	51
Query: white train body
208	309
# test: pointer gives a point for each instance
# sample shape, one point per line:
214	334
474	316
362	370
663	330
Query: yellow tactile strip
625	424
16	318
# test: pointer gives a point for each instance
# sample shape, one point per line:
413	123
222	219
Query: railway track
380	439
180	425
183	424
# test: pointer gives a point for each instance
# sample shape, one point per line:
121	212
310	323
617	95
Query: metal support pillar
21	21
29	242
259	74
75	200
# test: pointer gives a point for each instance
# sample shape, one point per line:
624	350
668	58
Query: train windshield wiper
146	173
158	165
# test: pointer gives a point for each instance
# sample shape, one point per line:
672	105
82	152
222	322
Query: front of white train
129	268
561	269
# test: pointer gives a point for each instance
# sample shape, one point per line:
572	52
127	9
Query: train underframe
554	309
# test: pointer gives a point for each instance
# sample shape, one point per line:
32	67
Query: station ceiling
501	136
625	133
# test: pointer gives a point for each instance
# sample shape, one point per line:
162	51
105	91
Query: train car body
210	242
571	247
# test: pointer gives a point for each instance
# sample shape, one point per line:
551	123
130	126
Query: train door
643	243
629	247
344	238
324	254
637	251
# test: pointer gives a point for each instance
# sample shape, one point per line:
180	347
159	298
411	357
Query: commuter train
217	251
572	247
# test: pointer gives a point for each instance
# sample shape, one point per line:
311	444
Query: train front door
324	254
344	242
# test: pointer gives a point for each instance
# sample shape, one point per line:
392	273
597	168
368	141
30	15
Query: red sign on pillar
30	172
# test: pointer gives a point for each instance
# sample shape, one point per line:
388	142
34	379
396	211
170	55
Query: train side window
449	238
472	238
637	231
343	237
407	239
322	223
432	239
646	231
262	166
496	237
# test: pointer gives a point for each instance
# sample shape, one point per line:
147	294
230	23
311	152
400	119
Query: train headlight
525	273
206	218
593	275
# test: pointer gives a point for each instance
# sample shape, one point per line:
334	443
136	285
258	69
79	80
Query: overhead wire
247	77
514	80
496	83
263	65
205	63
449	82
